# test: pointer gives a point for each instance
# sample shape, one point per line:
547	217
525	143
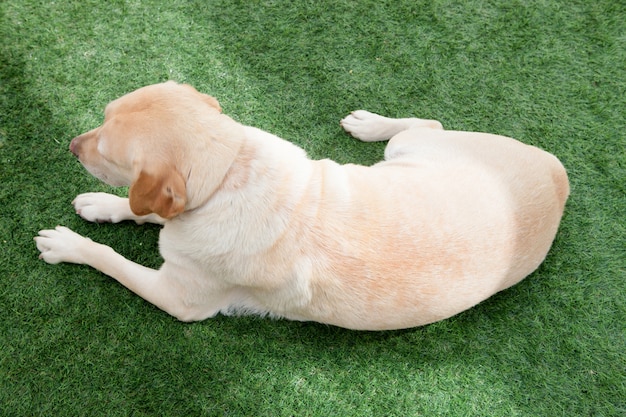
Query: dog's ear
161	191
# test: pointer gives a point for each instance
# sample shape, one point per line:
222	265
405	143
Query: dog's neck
252	205
214	157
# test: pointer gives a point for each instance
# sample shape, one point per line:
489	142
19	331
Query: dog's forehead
146	98
130	102
120	105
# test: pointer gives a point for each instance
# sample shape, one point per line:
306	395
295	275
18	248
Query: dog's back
415	239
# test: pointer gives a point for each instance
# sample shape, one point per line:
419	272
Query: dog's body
252	225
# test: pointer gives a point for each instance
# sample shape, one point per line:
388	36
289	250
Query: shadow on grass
28	157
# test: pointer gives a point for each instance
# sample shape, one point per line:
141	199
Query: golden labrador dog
251	225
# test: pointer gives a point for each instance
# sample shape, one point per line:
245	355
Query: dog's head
145	141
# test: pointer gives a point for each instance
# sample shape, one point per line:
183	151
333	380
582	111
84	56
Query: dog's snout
81	144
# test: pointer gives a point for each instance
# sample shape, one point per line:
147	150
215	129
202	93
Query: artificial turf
550	73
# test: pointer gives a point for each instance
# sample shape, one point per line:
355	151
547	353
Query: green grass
550	73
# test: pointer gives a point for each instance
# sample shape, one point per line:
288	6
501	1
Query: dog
252	225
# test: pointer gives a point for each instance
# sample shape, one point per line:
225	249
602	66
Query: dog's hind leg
371	127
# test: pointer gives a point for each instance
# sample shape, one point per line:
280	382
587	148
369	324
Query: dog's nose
73	147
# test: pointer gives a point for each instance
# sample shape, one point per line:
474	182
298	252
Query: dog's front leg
63	245
109	208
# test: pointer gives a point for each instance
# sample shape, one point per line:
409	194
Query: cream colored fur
250	224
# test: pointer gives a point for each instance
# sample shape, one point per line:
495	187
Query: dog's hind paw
367	126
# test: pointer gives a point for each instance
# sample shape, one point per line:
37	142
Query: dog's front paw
101	207
61	245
